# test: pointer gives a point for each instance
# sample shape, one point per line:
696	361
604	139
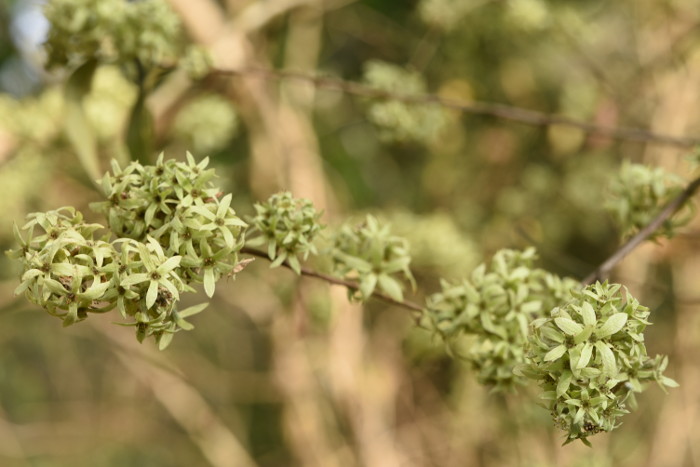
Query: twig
506	112
337	281
604	269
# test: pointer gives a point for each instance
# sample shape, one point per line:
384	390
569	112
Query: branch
505	112
604	269
350	285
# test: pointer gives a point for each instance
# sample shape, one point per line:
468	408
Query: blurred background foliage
284	371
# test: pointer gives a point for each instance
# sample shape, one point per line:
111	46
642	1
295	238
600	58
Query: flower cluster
589	357
639	193
177	205
206	124
173	229
495	307
444	15
70	273
112	31
288	226
370	254
400	121
65	269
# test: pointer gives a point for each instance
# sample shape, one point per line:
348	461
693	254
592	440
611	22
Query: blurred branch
256	15
505	112
184	403
337	281
604	269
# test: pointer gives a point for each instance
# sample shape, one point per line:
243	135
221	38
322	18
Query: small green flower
211	264
159	272
220	218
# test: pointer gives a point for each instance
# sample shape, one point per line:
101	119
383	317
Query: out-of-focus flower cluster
443	14
400	121
438	246
639	193
206	124
288	226
113	31
495	307
369	253
589	357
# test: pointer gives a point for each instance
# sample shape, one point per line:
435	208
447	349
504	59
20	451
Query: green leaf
95	291
152	294
585	357
184	324
150	212
588	315
569	326
62	269
23	286
164	340
169	265
224	204
145	256
578	418
72	316
564	383
390	286
77	127
134	279
607	358
671	383
280	259
209	282
612	325
228	236
354	262
32	273
551	333
192	310
294	264
54	286
555	353
367	285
